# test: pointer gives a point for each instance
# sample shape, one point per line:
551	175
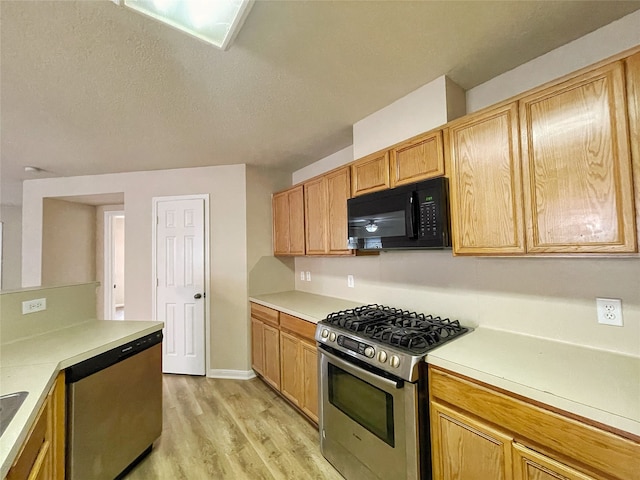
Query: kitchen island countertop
32	364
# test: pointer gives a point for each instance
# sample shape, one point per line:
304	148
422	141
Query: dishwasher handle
104	360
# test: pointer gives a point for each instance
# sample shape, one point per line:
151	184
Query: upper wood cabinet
325	200
288	222
633	97
370	174
417	159
578	192
485	183
315	207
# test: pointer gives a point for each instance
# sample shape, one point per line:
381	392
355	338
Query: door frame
107	255
207	269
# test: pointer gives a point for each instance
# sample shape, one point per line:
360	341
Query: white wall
423	109
341	157
68	243
548	297
593	47
227	298
11	217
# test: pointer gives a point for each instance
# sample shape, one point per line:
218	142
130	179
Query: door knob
197	295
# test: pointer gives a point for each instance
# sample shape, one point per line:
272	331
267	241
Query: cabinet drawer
35	448
296	325
265	314
529	423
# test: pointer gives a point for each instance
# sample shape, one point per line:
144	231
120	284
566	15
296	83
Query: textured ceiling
89	87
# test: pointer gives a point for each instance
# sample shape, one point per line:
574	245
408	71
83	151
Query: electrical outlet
350	281
609	311
308	276
31	306
302	276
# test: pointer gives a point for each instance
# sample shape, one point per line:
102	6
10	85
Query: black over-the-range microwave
408	217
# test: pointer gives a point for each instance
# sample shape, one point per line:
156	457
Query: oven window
368	405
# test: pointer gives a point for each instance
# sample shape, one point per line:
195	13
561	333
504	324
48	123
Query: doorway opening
114	301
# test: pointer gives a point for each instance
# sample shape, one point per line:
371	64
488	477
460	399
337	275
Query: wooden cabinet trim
588	445
607	189
265	314
298	326
633	98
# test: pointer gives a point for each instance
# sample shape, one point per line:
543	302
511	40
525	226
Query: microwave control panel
428	216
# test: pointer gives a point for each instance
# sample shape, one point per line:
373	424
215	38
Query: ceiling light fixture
30	169
214	21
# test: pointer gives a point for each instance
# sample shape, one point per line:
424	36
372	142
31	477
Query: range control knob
332	337
324	333
369	352
382	356
394	361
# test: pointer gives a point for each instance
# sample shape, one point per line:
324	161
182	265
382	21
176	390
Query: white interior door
180	262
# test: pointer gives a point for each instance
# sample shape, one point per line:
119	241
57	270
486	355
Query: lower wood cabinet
479	432
466	448
284	354
42	454
531	465
265	343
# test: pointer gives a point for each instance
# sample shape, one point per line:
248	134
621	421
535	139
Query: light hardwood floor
231	429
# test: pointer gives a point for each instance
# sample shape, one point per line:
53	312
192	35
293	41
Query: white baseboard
235	374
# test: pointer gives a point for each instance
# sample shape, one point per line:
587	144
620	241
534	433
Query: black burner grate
415	332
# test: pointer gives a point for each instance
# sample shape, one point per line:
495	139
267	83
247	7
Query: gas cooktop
387	338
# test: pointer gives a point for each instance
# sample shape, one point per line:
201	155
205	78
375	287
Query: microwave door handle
410	216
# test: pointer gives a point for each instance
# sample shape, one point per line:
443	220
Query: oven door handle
372	378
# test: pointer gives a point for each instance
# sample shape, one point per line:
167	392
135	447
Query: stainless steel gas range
370	415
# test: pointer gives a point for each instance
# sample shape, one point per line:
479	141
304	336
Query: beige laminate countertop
599	385
32	364
308	306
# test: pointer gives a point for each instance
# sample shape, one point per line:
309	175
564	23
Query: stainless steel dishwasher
114	409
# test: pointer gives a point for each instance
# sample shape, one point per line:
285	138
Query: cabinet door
58	426
291	368
486	195
280	204
578	193
420	158
310	381
296	221
315	204
370	174
464	448
257	346
633	92
530	465
272	356
338	192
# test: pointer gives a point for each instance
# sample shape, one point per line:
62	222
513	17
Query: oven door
368	423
